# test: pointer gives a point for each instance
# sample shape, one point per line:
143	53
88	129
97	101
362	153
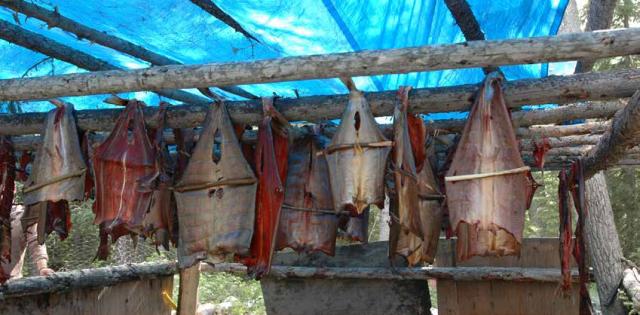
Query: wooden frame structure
610	142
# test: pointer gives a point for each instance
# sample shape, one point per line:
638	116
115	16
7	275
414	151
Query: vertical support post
188	291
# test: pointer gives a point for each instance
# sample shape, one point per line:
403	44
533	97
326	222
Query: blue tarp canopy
181	30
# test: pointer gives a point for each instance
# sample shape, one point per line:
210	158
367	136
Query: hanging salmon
184	138
58	172
357	158
354	229
430	207
87	153
406	230
21	173
7	185
308	222
50	217
216	195
488	186
271	169
123	166
159	221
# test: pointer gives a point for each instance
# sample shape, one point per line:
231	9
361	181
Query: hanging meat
216	195
124	165
7	186
357	158
354	229
406	230
308	222
58	172
159	221
23	162
488	186
414	215
57	175
271	169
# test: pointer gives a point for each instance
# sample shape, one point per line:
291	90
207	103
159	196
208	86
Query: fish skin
60	154
487	214
217	222
357	174
308	187
7	187
123	166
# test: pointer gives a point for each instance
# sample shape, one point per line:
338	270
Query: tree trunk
603	246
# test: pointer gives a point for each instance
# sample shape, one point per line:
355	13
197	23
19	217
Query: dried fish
488	186
7	187
308	222
216	195
357	158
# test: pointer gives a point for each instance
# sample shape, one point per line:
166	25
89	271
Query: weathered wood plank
556	89
404	60
85	278
188	290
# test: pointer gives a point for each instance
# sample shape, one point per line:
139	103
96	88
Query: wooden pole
537	131
603	244
623	135
188	290
403	60
36	42
211	8
631	285
85	278
416	273
468	23
557	89
55	19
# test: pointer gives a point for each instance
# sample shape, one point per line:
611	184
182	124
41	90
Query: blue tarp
181	30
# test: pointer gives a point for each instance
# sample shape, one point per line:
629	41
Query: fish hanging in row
271	170
7	189
124	164
57	175
308	222
415	216
488	186
216	195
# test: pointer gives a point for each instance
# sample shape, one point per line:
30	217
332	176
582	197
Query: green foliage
240	295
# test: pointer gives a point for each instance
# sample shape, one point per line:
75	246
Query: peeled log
631	284
623	135
554	89
471	54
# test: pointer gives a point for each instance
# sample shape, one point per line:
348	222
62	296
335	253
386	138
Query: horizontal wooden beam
416	273
85	278
36	42
555	89
404	60
55	19
538	131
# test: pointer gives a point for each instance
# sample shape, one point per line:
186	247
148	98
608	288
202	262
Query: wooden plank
188	290
557	89
140	297
404	60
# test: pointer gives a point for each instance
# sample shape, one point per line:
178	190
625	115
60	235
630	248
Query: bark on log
403	273
85	278
599	17
631	285
623	135
211	8
36	42
468	23
538	131
560	114
451	56
55	19
557	142
555	89
603	245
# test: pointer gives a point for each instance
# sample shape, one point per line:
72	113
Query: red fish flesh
216	195
488	186
308	222
357	157
271	169
123	166
58	172
7	185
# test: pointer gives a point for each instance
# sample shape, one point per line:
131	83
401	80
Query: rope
485	175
